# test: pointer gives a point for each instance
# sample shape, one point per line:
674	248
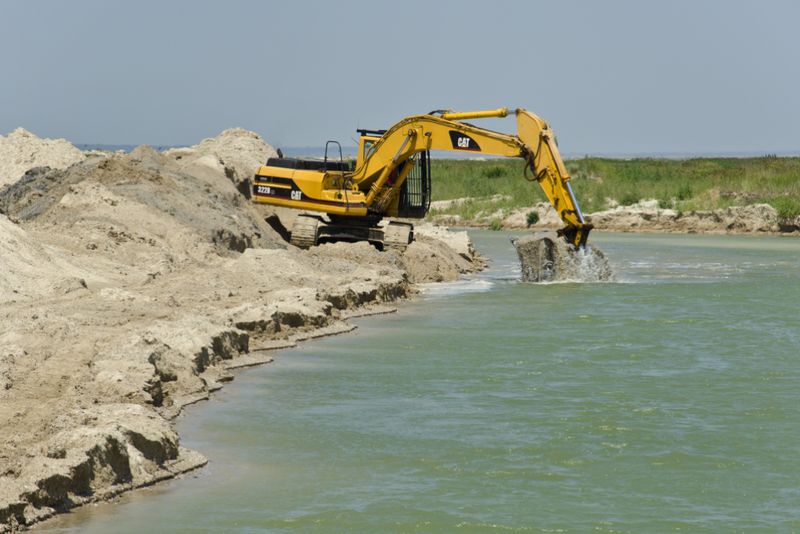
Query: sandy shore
131	285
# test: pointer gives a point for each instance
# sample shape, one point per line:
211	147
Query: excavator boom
387	160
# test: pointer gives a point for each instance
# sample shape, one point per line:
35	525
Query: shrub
787	207
496	225
629	198
684	192
494	172
533	218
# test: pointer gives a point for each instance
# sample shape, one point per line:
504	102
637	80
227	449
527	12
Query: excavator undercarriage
310	230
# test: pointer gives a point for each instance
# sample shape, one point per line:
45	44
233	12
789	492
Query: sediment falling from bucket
548	258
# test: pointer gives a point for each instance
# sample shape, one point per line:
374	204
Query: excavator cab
366	141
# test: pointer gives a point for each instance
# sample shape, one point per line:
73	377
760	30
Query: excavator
391	177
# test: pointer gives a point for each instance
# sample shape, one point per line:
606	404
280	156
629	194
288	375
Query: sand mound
239	150
426	260
31	269
21	150
548	258
140	208
458	241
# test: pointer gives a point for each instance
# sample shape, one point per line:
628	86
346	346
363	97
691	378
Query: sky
611	77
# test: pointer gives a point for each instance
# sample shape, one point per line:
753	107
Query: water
664	402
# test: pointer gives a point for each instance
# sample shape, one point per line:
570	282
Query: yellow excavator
391	177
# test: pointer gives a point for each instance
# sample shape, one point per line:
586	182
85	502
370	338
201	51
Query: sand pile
130	286
457	241
21	150
425	260
549	258
31	269
238	150
139	208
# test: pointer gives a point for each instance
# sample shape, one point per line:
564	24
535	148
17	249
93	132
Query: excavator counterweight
391	177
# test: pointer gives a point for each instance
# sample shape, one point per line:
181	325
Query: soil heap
242	152
22	150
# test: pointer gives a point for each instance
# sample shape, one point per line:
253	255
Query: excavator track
305	231
309	231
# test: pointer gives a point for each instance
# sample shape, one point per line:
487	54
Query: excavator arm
381	172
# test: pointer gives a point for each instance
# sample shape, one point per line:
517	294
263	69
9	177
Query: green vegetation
787	207
684	185
532	218
495	172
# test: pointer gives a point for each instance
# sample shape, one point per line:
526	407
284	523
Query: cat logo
297	195
462	141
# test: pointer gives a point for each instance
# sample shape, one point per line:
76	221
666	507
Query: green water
666	402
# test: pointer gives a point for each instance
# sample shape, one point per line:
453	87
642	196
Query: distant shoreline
720	195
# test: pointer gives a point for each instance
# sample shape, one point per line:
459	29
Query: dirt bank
644	216
131	285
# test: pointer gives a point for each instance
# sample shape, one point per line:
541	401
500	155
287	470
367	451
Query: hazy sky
611	76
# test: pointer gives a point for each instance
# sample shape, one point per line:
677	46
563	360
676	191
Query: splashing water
548	258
